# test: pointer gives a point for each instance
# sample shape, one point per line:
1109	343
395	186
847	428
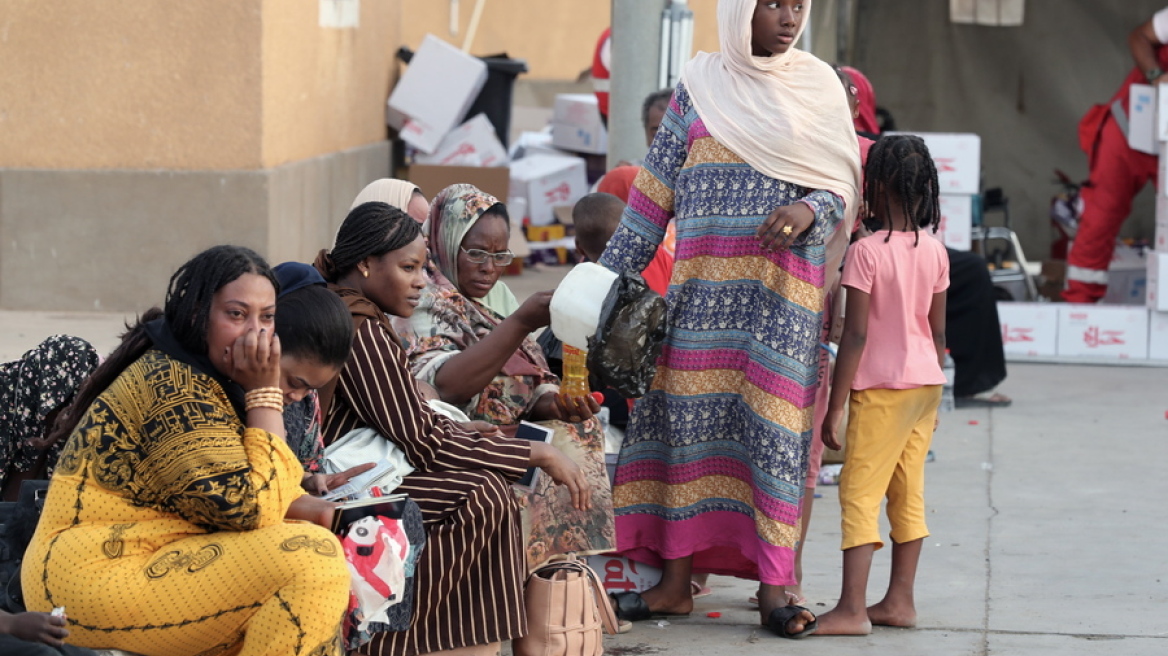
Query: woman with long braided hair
469	578
166	528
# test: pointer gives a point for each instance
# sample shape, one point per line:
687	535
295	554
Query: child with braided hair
896	281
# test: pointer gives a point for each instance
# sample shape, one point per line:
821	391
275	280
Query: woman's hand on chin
253	361
564	472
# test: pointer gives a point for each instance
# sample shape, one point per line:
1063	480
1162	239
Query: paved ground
1049	521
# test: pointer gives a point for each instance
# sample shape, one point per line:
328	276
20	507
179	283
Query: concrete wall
110	239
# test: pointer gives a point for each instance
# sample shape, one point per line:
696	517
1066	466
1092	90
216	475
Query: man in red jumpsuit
1118	173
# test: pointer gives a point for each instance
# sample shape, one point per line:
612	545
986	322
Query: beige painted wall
147	84
557	37
324	89
192	85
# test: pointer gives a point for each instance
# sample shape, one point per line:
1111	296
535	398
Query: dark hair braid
370	230
188	308
899	166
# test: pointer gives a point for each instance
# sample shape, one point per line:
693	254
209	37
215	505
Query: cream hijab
787	115
395	193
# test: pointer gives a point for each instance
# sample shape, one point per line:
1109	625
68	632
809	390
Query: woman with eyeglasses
490	367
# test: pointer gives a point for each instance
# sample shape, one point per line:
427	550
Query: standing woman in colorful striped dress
757	161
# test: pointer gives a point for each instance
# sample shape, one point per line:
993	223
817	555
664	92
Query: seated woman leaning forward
168	525
469	578
489	366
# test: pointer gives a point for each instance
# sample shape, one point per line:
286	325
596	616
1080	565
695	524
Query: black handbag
18	521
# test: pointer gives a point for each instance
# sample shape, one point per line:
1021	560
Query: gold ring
575	419
787	230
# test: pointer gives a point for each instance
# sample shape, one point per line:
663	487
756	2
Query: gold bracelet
278	407
261	391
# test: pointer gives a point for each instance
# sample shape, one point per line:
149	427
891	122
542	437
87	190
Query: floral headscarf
43	380
455	211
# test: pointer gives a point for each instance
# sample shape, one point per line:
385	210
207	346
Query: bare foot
660	601
837	622
887	614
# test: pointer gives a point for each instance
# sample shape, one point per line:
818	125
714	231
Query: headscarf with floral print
455	211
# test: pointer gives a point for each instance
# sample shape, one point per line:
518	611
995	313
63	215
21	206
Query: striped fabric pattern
714	458
471	572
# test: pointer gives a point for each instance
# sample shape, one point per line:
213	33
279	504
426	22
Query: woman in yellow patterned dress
169	527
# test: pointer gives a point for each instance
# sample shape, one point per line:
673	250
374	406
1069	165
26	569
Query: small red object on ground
972	422
715	614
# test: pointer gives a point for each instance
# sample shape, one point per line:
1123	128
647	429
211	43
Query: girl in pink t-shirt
889	373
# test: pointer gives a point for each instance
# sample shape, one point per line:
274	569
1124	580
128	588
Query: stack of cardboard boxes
958	161
538	182
1135	328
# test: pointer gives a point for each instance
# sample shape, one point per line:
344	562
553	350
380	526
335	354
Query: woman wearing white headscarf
757	162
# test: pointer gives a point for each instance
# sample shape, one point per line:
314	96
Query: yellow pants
888	438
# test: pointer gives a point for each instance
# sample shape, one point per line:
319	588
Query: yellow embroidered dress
163	532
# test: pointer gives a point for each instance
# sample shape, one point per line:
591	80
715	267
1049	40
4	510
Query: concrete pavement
1049	523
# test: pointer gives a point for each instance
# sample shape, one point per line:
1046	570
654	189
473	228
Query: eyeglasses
479	256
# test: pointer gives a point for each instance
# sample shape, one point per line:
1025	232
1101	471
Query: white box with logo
956	221
958	160
1106	332
1029	329
473	143
576	124
1158	335
619	574
435	92
1141	118
548	181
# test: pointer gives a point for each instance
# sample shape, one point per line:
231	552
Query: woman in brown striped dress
470	574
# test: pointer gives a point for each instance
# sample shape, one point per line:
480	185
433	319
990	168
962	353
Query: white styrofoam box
1158	335
958	160
619	574
1029	329
956	221
547	181
1157	296
1103	331
473	143
576	124
439	85
1141	118
536	143
1160	234
1127	276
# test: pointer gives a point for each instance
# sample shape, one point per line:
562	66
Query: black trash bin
495	98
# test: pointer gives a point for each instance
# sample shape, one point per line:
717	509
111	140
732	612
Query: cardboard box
1029	329
431	178
1158	335
1141	118
958	160
435	92
576	124
1106	332
473	143
1157	296
1127	276
956	221
619	574
547	181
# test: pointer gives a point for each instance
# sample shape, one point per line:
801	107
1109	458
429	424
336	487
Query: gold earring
365	273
